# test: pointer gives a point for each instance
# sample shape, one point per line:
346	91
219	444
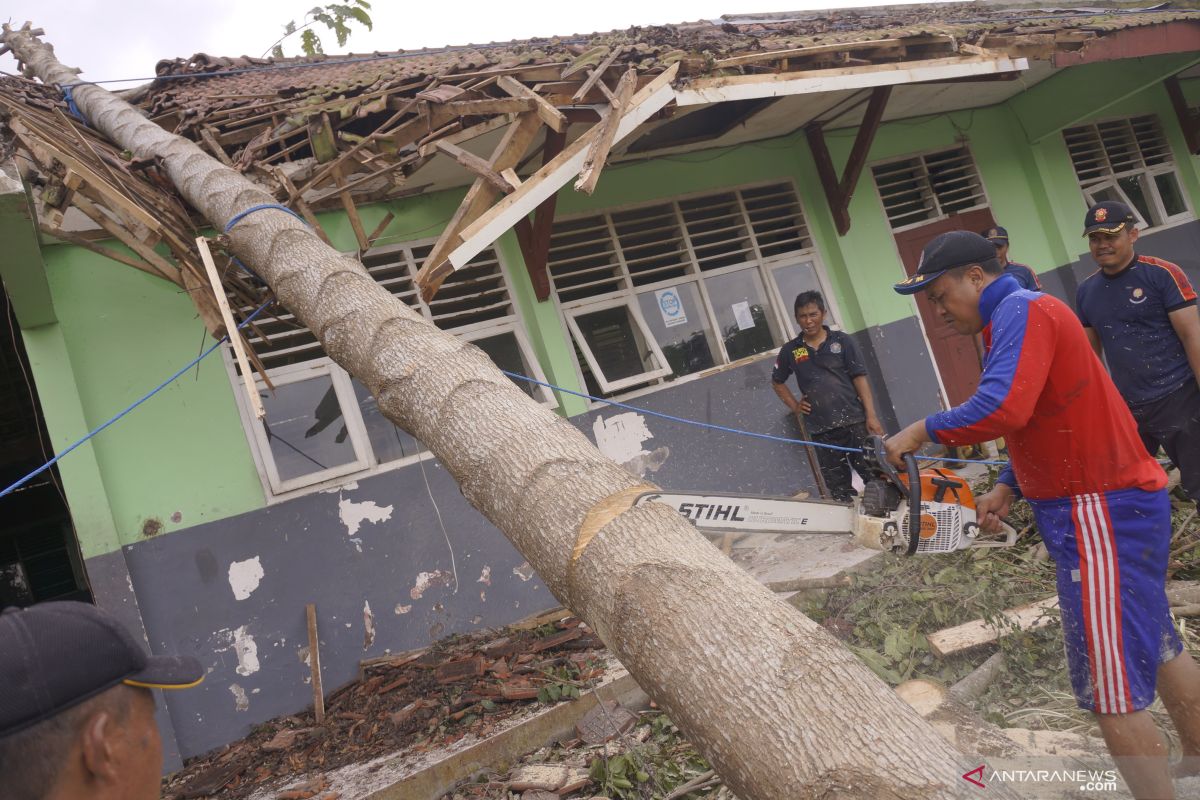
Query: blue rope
112	420
260	207
70	98
710	426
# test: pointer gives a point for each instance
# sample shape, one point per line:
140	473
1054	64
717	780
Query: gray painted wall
310	552
369	544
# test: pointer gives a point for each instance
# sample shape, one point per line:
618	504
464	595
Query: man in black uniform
835	398
1140	313
1025	276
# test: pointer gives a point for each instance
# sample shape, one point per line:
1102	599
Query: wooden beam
164	268
466	134
210	139
231	328
98	249
827	175
475	164
838	193
1189	120
746	87
548	113
360	235
832	47
381	227
598	152
545	182
972	634
597	73
537	257
481	108
482	194
314	665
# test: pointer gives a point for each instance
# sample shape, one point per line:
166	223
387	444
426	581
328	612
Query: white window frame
781	322
344	391
1111	180
985	201
542	394
278	490
636	315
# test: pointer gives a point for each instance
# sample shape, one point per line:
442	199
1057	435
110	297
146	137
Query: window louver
928	187
1104	150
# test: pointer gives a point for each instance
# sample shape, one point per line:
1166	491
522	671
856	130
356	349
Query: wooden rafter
598	152
537	253
839	192
469	240
480	196
1189	119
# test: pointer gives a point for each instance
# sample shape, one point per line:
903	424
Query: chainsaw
882	518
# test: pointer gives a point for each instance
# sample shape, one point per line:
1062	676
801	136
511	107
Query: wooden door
955	355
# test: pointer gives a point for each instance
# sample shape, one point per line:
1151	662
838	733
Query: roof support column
839	192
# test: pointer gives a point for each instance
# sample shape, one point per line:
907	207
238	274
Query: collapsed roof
513	119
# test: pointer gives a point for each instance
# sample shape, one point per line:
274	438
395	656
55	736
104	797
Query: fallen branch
979	679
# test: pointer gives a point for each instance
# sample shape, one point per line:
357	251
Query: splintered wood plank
115	255
210	139
598	152
296	200
314	664
977	632
360	234
231	328
441	94
381	227
475	164
467	134
597	73
481	195
833	47
549	114
164	268
545	182
483	108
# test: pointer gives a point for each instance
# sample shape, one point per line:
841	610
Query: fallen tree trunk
778	706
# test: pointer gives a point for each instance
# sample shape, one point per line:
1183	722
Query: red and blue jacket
1044	390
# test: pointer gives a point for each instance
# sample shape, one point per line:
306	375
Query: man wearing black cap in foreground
76	710
1099	498
1141	313
1022	272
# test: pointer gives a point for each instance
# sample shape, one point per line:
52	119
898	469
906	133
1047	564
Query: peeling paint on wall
485	576
368	626
247	652
244	577
240	701
355	514
426	579
620	438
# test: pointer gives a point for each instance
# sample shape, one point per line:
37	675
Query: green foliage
334	17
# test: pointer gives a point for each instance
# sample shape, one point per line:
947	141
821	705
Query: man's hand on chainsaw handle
991	508
908	440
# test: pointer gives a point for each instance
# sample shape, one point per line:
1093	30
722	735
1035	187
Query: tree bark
778	707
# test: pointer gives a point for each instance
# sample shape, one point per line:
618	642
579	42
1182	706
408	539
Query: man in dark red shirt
1099	498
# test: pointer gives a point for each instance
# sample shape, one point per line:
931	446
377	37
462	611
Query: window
664	290
1128	160
919	189
322	425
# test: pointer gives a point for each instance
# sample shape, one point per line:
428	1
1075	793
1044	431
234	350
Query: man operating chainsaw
1098	497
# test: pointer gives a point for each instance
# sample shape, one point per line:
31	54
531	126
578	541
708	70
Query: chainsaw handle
1010	538
914	503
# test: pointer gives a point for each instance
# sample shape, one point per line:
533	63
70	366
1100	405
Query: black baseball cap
995	235
945	252
56	655
1109	216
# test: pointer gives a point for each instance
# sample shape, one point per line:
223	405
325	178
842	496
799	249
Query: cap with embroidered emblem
945	252
1109	216
55	655
995	235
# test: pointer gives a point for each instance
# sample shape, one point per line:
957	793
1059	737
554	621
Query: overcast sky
111	39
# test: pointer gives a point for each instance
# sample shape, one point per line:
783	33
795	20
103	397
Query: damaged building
622	216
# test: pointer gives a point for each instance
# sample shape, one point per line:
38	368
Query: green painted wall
184	452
